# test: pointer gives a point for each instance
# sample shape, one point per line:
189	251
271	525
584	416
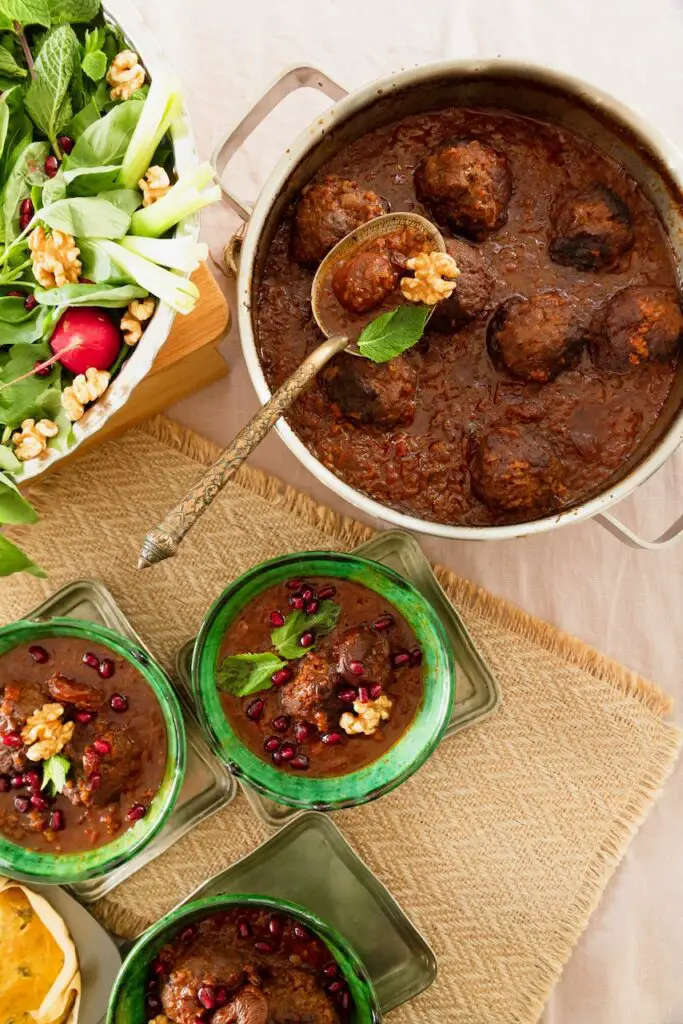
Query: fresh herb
73	11
190	193
26	12
14	508
244	674
94	63
107	296
47	100
9	67
13	559
390	334
55	771
286	638
29	170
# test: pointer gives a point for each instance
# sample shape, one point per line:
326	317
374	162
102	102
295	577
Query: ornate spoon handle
162	540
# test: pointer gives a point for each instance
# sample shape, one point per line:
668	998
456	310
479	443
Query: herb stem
26	48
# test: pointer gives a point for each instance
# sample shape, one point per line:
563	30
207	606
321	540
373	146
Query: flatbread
40	982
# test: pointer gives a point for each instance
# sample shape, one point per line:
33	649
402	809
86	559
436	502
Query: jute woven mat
501	846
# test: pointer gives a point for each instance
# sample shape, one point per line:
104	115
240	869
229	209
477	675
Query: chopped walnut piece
155	184
435	274
55	257
31	440
161	1018
44	734
126	75
86	388
138	312
368	716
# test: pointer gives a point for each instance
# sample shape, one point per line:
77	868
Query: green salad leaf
27	12
28	170
98	266
26	398
105	141
244	674
89	217
8	65
9	463
73	11
13	559
81	121
55	771
390	334
286	638
47	100
107	296
14	508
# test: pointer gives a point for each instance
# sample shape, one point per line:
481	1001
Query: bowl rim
410	751
69	868
355	973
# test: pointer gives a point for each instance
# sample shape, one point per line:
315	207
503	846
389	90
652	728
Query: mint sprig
286	638
245	674
55	771
392	333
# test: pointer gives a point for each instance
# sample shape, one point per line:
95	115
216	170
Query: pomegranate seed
331	738
400	658
153	1004
95	781
325	593
297	602
26	210
271	743
56	822
39	369
312	607
207	997
30	302
300	762
336	986
376	691
117	702
277	619
85	717
293	584
159	967
344	1000
384	622
301	732
39	803
91	660
14	294
107	668
222	997
306	639
287	751
102	746
348	696
187	933
5	783
307	593
32	780
22	804
282	676
244	928
300	933
331	970
12	739
275	927
357	668
136	812
17	781
264	947
255	710
363	694
66	143
38	654
281	723
416	656
23	221
277	758
51	166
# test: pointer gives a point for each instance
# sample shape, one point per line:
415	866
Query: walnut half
44	734
435	274
368	716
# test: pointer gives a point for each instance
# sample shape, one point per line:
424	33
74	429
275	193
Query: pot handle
667	539
294	78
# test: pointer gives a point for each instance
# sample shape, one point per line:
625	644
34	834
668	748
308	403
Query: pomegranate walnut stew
82	745
549	363
246	965
319	676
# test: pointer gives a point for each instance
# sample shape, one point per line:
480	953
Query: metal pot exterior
648	156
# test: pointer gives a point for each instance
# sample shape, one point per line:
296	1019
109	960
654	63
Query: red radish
85	337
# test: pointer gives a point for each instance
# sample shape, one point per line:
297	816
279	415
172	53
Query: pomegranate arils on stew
384	622
400	658
255	710
5	783
376	691
13	740
357	668
275	927
300	762
91	660
301	732
17	781
117	702
325	593
331	739
344	1000
416	656
187	933
56	821
159	967
222	996
336	986
293	584
307	593
244	928
363	694
136	812
38	654
22	804
271	743
277	758
207	997
264	947
85	717
277	619
331	970
32	780
39	803
312	607
107	668
282	676
153	1004
300	933
287	751
306	639
102	746
281	723
95	781
297	602
348	696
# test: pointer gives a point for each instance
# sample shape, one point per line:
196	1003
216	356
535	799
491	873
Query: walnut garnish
55	257
31	440
126	75
138	312
368	716
161	1018
44	734
86	387
155	184
435	274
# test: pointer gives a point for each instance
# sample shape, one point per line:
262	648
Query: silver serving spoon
163	539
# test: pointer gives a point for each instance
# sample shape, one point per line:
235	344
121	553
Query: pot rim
653	141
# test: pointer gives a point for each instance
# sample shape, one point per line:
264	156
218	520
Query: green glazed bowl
65	869
396	764
127	1002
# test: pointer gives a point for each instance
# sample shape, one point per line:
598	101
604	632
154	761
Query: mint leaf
95	65
89	217
28	170
73	11
14	508
46	100
390	334
27	12
55	771
13	559
286	638
244	674
8	65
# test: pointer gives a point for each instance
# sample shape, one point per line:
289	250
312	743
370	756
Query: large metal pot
649	157
138	365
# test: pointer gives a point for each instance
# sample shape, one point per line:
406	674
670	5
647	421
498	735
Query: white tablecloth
627	968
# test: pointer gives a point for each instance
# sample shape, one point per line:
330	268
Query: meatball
296	995
514	469
363	281
590	229
326	211
536	338
100	779
362	645
634	326
195	969
467	186
249	1006
382	394
68	691
472	289
19	701
312	695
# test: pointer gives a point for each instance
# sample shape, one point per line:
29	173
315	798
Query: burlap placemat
500	847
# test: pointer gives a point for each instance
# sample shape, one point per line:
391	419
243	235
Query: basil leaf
286	638
27	12
13	559
390	334
28	170
89	217
14	508
244	674
55	771
73	11
106	140
46	99
8	65
109	297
